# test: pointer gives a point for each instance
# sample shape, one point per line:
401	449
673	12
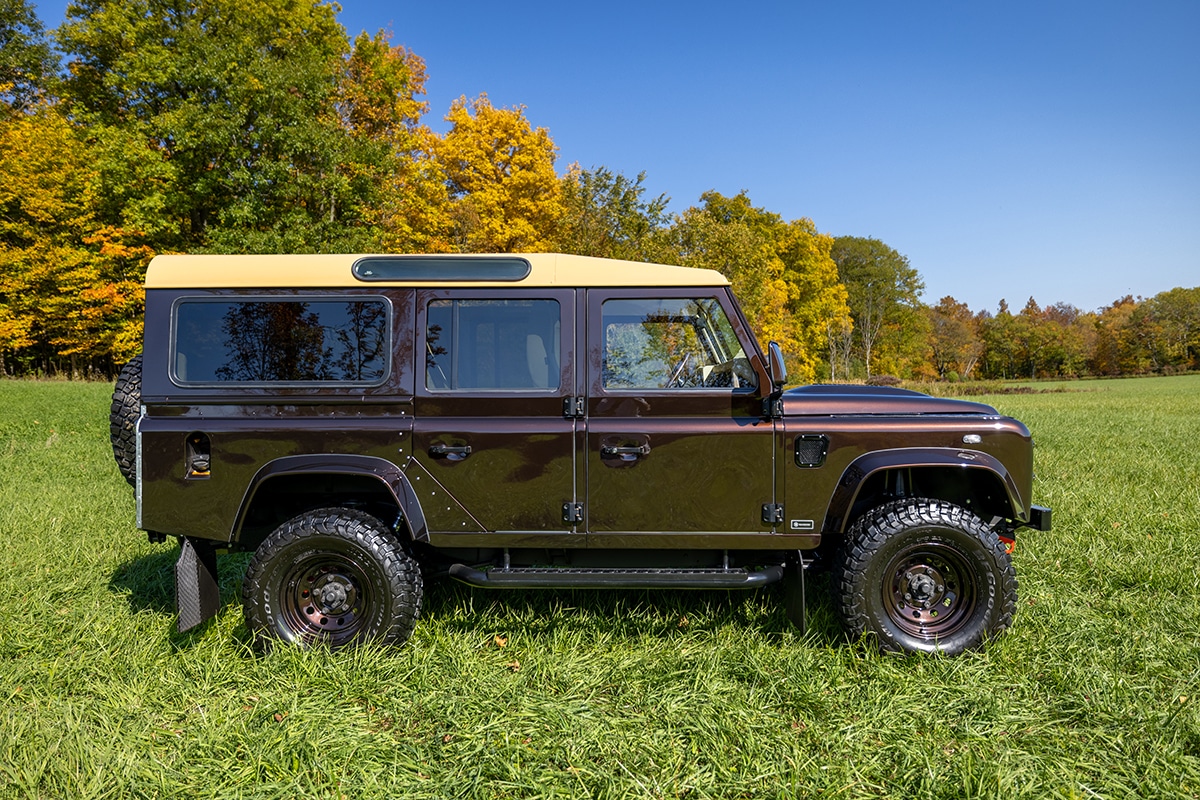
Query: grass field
1093	694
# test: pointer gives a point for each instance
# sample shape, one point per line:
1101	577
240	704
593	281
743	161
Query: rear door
676	439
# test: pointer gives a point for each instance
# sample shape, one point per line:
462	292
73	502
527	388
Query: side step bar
607	578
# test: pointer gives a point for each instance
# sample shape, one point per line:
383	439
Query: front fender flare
862	468
379	469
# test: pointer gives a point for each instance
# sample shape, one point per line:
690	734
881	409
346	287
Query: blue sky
1009	149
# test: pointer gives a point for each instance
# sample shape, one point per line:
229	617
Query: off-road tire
123	417
925	575
334	576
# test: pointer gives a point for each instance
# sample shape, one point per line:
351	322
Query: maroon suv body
364	422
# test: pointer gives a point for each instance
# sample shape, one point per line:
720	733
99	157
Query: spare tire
123	417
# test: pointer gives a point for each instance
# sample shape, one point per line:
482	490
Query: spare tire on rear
123	416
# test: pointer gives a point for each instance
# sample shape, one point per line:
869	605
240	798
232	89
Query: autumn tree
883	292
1111	353
70	285
505	196
391	163
782	273
954	343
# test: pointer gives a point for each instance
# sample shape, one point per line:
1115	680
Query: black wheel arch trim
379	469
856	474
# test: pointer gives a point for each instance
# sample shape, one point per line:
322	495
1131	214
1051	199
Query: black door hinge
772	513
773	407
574	407
572	513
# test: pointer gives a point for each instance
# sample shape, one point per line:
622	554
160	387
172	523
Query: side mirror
776	365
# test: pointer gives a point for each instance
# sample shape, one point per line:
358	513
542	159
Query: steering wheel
677	371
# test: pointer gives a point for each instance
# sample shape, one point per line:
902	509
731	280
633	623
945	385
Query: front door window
672	343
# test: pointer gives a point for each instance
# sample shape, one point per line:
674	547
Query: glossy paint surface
560	456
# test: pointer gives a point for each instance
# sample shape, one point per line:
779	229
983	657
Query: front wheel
335	576
925	575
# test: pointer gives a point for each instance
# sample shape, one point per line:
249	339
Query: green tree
1169	326
605	214
230	108
883	292
27	62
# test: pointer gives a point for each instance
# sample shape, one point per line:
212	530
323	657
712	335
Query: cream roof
333	271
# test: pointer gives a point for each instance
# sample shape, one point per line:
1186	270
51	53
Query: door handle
453	451
626	452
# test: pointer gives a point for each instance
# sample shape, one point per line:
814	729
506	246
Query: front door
676	439
493	452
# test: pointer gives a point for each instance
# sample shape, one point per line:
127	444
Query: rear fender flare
378	469
855	476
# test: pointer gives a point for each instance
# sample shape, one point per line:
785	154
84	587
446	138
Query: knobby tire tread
402	573
874	529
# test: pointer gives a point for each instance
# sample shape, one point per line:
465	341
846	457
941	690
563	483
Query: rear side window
268	341
474	345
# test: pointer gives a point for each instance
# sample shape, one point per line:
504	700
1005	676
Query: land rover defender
365	423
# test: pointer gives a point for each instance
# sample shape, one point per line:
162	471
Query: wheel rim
328	597
931	591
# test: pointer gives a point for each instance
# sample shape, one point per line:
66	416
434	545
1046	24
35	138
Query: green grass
1094	692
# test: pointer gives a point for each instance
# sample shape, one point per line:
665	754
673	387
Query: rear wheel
335	576
925	575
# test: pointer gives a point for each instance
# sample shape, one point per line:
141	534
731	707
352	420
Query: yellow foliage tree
505	196
380	107
782	273
70	286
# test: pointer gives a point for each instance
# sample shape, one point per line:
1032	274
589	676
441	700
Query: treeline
257	126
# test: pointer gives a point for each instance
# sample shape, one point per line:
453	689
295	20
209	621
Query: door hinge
772	514
574	407
572	513
773	407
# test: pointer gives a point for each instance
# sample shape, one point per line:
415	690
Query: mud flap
793	593
197	597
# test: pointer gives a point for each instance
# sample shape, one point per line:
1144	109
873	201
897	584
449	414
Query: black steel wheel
925	575
335	576
123	415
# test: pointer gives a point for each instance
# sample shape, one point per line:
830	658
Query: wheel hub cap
334	594
931	593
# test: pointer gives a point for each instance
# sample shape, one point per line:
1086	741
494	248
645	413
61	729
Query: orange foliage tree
70	286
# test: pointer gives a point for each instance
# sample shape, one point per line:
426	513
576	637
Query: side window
492	345
672	343
281	341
